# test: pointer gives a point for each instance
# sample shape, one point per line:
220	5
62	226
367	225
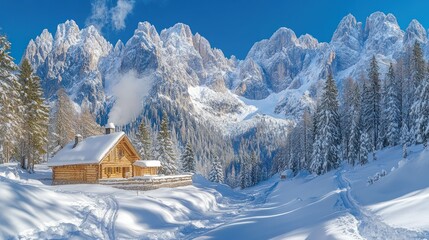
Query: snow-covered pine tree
255	174
418	66
420	112
64	119
188	159
382	142
232	177
405	139
417	72
10	103
145	140
243	174
365	146
306	139
347	106
354	142
293	149
326	150
87	125
350	116
35	117
406	90
165	150
371	103
216	172
393	107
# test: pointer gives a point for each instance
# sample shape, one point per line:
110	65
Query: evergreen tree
145	140
188	159
307	139
420	112
418	65
347	107
364	150
406	90
255	174
10	102
232	178
417	72
382	142
351	117
405	139
371	104
326	150
243	174
35	117
393	108
216	172
165	148
354	141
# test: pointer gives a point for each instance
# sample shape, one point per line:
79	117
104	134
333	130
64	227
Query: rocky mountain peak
68	31
119	46
379	23
348	29
148	31
283	37
308	41
37	50
144	36
415	32
45	36
382	34
177	35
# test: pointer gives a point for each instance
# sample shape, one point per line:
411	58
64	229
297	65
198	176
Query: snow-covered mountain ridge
286	66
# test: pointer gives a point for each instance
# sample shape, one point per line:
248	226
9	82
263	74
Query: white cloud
120	12
129	90
102	14
99	14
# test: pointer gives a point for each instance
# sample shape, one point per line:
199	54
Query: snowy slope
337	205
341	204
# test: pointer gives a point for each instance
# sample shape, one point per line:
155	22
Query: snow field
338	205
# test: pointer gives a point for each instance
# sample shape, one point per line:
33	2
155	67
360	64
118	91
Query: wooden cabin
109	156
286	174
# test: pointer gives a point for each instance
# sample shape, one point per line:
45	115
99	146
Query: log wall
144	171
75	174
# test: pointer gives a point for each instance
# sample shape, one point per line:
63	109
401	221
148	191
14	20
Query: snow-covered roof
89	151
147	163
110	125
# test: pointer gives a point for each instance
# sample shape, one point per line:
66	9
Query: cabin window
120	153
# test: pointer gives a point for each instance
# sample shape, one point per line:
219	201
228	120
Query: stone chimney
110	128
77	139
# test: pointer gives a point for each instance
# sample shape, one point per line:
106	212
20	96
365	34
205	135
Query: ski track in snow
108	222
234	210
93	225
370	225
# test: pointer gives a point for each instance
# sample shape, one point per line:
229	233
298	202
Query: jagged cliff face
70	60
279	77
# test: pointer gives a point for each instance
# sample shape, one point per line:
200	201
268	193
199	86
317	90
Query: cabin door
126	173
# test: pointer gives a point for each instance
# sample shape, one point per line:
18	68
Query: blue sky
231	25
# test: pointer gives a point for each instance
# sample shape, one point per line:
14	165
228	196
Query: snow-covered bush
376	177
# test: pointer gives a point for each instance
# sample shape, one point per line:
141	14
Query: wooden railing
148	183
